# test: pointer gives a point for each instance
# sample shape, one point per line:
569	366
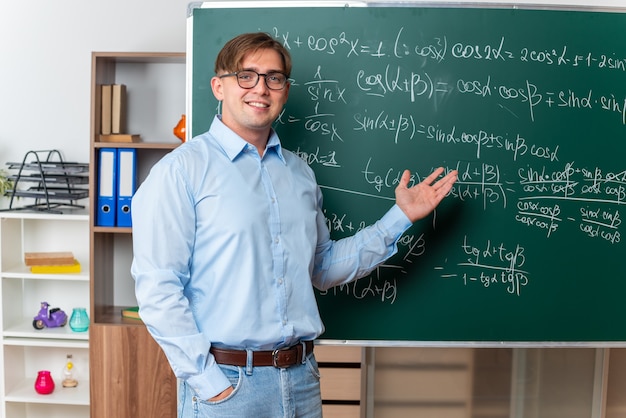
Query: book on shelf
113	109
74	267
131	312
106	98
49	258
120	138
118	109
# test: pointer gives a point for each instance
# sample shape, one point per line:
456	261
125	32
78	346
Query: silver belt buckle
275	354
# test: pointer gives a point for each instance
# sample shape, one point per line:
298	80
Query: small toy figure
54	318
68	374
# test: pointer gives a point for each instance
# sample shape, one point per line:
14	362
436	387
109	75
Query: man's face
251	112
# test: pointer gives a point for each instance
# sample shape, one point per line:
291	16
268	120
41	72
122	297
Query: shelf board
140	57
137	145
24	392
113	229
36	342
23	272
69	214
26	330
112	315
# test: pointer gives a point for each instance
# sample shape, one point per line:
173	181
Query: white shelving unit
26	350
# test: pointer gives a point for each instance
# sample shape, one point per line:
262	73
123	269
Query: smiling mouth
258	104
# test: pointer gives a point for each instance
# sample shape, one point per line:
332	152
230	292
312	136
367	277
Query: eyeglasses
248	79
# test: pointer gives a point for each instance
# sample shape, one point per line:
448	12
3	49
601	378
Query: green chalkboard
528	105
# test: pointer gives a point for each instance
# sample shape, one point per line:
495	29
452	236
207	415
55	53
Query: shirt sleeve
163	235
350	258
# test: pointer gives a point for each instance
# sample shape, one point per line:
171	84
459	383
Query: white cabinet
26	350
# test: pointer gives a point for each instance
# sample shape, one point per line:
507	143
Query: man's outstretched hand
420	200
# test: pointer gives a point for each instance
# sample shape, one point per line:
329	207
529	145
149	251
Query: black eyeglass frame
258	77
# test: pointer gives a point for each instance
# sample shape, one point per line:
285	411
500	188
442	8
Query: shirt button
276	240
280	281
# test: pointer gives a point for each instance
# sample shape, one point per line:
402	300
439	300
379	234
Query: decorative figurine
68	374
54	318
181	128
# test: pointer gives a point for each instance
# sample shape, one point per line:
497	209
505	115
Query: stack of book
131	312
113	114
52	262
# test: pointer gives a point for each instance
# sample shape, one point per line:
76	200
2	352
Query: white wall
45	61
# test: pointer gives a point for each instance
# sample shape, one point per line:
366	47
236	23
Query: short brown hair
234	51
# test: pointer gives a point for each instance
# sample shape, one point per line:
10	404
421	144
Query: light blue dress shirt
228	246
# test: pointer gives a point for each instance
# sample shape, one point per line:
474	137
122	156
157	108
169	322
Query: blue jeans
260	392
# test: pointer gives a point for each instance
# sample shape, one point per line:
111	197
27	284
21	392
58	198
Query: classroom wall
45	62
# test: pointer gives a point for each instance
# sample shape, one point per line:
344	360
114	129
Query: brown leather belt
281	358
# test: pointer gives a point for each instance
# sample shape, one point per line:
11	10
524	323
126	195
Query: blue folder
126	184
107	187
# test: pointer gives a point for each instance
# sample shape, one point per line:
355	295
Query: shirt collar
233	144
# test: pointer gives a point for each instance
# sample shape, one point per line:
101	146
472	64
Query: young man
229	240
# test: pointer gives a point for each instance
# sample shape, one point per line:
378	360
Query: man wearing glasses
229	238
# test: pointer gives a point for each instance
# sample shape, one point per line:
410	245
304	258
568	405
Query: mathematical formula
512	169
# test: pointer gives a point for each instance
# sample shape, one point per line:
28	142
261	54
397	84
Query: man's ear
217	87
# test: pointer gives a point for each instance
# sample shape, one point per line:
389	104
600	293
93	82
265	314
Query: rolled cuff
210	383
